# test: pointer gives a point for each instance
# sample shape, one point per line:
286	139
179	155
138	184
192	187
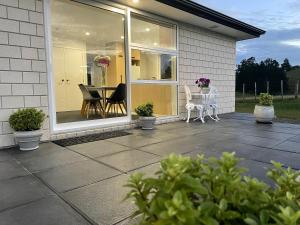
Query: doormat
89	138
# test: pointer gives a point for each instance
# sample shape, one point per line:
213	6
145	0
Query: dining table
103	90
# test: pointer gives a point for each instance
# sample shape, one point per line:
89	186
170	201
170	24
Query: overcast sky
281	20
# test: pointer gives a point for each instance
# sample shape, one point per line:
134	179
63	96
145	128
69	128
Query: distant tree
286	66
249	72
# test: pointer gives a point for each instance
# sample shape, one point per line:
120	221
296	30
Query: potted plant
210	191
27	124
264	111
145	112
203	84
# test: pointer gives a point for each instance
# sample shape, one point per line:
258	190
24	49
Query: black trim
212	15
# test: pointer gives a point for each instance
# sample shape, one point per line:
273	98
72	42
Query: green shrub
27	119
265	99
215	192
145	109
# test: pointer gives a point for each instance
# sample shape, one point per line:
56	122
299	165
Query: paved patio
82	184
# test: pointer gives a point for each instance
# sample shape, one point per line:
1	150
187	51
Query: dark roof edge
209	14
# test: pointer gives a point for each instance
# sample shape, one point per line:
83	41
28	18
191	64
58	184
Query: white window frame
158	50
56	128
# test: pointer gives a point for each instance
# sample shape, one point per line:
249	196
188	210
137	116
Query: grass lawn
286	109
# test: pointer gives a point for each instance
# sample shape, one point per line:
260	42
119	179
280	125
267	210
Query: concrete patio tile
47	211
295	139
256	170
286	158
10	169
134	141
98	148
76	175
290	146
161	135
256	141
21	190
44	149
179	146
103	201
129	160
4	155
48	161
148	171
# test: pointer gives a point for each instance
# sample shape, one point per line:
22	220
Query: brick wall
23	79
206	54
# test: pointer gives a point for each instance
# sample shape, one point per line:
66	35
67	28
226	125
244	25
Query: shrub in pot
264	111
27	124
145	113
215	192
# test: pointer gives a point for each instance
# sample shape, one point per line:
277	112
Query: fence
291	92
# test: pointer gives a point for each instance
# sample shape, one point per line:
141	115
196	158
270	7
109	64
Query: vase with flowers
102	62
203	84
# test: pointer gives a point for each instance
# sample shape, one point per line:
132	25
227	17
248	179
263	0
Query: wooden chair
90	102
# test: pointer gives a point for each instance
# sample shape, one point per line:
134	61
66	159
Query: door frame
89	124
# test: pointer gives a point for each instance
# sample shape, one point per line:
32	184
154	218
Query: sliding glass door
154	65
88	57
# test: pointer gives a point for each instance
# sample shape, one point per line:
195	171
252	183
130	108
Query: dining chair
212	102
90	100
117	99
191	105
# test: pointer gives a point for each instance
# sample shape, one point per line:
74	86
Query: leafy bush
265	99
215	192
145	109
27	119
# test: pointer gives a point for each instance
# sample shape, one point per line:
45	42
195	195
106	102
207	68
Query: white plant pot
205	90
147	123
264	114
28	140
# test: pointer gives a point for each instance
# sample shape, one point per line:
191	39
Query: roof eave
212	15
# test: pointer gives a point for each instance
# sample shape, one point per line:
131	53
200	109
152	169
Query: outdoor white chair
212	103
191	105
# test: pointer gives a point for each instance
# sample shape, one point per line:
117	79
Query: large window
154	65
88	62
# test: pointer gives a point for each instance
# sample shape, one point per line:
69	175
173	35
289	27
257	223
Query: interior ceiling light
122	37
135	1
87	33
155	44
147	29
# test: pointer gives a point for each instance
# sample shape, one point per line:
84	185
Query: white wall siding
207	54
23	81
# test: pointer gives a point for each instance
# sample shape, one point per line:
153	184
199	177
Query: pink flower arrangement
203	82
102	61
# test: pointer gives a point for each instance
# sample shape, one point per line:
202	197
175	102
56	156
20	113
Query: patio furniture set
207	106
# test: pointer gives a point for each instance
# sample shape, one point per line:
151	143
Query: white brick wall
206	54
23	77
23	81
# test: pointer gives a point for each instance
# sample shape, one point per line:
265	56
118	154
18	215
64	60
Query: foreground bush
215	192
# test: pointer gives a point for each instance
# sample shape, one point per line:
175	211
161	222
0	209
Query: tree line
249	71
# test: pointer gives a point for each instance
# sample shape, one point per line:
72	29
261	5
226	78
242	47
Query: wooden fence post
243	91
255	91
297	89
281	86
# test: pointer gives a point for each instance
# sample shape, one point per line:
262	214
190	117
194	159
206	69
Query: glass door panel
88	62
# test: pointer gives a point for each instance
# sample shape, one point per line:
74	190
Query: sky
279	18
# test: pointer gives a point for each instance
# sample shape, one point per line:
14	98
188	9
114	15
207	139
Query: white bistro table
207	106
